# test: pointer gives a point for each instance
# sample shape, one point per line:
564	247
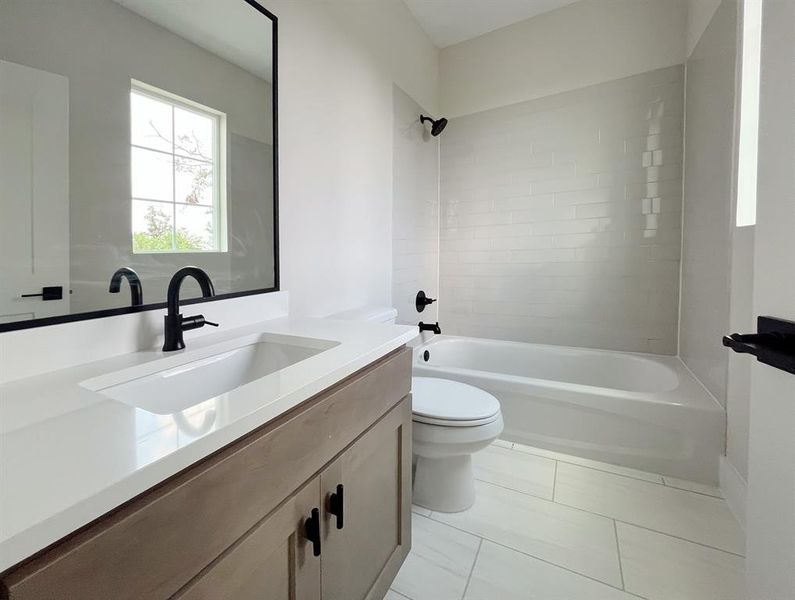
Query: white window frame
219	165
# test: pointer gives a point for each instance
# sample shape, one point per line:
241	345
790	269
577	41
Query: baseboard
734	489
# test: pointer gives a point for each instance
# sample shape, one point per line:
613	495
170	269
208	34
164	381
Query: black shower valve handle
422	300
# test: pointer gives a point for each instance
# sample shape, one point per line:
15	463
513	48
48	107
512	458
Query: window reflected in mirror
136	135
178	187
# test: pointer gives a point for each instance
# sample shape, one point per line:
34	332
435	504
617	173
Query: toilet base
444	484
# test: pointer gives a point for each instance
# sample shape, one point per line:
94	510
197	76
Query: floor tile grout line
671	535
533	556
590	512
472	570
618	553
593	468
510	489
554	489
394	591
554	481
562	458
676	487
658	483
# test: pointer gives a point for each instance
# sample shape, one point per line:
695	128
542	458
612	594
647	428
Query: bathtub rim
689	392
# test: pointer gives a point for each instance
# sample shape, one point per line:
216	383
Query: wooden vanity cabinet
234	526
365	531
363	551
273	561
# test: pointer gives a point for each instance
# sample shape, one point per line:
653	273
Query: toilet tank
376	314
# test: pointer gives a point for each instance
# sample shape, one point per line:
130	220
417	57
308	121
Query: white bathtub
638	410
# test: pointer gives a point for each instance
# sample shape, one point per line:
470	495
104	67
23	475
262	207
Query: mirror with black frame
136	137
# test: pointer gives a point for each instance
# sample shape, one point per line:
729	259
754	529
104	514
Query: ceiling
448	22
228	28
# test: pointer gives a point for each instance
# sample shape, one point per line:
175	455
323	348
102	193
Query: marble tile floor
548	526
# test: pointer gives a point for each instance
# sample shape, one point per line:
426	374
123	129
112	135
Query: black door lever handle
47	293
773	344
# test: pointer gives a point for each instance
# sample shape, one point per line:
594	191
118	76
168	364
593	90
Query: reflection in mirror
136	137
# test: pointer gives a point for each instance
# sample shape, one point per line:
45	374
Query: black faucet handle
196	322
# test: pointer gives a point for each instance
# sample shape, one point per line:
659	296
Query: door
771	470
34	191
367	516
274	561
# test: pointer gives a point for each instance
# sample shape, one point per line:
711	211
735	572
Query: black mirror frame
98	314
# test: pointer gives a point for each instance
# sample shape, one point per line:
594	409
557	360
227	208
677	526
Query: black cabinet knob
336	505
312	531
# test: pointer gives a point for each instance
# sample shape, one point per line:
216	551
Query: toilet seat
451	423
446	403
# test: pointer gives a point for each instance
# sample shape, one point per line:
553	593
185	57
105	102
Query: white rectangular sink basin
223	368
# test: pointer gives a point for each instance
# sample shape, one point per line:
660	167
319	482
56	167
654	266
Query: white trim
157	93
734	489
685	73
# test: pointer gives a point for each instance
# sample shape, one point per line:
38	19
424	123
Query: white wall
338	61
741	320
415	212
699	14
585	43
708	190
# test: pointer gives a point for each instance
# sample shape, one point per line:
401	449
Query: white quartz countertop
69	454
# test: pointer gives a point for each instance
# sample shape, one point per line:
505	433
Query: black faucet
136	289
176	324
428	327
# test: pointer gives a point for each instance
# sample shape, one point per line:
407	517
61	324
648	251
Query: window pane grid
169	202
192	222
175	155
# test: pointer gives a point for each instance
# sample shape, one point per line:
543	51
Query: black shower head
437	126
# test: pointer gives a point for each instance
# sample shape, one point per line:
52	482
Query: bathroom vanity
312	503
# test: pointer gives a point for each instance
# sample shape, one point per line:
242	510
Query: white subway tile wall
415	211
561	217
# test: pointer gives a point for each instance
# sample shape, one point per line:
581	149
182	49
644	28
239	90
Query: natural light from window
177	157
749	113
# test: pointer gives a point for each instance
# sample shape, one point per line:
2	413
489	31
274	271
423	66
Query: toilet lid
445	400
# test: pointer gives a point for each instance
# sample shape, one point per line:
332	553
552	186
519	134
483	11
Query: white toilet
451	421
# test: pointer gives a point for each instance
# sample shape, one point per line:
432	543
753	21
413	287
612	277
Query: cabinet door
274	561
361	559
